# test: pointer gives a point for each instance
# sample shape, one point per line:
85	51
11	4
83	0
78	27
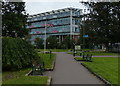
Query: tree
52	42
39	43
14	19
68	43
102	23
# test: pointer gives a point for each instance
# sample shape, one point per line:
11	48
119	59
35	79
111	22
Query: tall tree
39	43
14	19
52	42
103	22
68	43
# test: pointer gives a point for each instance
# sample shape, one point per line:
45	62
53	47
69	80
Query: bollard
80	54
83	56
90	58
50	54
87	57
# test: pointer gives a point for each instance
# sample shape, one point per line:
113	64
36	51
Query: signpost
85	36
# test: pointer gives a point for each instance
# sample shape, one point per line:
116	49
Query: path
68	71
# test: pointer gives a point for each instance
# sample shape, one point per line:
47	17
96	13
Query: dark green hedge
17	53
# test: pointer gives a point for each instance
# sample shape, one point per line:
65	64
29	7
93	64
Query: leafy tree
102	23
52	42
14	19
68	43
39	43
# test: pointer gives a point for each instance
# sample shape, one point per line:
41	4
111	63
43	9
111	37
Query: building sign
85	36
77	47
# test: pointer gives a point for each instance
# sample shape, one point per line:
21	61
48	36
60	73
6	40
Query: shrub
17	53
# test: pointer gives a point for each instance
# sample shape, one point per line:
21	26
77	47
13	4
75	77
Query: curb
49	81
28	73
98	76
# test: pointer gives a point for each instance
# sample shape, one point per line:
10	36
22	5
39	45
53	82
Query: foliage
102	23
14	19
17	53
52	42
68	43
39	43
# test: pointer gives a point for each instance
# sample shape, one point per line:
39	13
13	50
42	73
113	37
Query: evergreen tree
14	19
102	24
39	43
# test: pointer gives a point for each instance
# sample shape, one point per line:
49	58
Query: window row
53	22
57	15
51	30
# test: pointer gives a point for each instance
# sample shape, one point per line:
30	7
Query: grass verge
53	50
27	80
98	53
107	67
11	78
47	60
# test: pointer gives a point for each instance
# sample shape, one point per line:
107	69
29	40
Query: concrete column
62	38
59	39
71	24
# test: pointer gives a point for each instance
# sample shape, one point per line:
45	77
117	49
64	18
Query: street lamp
46	25
45	38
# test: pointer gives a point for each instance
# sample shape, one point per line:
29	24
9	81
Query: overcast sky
39	6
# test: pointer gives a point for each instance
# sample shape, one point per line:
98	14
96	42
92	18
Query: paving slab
68	71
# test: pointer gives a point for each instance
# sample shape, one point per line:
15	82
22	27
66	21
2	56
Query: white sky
39	6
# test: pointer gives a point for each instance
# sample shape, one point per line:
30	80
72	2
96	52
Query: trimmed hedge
17	53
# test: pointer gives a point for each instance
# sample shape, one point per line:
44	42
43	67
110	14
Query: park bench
37	68
87	57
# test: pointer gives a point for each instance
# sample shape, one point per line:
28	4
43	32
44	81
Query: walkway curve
68	71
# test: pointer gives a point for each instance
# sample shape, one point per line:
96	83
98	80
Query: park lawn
14	74
27	80
54	50
98	53
107	67
18	77
78	58
47	60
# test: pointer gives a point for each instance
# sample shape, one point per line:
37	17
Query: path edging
28	73
48	81
98	76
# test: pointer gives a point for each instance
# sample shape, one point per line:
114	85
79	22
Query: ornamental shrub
17	53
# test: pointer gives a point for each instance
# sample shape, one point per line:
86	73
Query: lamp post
46	25
45	38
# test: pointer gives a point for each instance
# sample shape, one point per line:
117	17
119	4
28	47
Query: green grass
78	58
28	80
46	59
98	53
14	74
54	50
18	77
107	67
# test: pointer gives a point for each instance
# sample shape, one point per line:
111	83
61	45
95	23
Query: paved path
68	71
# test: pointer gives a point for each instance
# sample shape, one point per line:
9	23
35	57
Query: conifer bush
17	53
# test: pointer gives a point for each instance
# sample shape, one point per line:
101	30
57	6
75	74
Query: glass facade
58	22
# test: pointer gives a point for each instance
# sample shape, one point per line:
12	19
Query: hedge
17	53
